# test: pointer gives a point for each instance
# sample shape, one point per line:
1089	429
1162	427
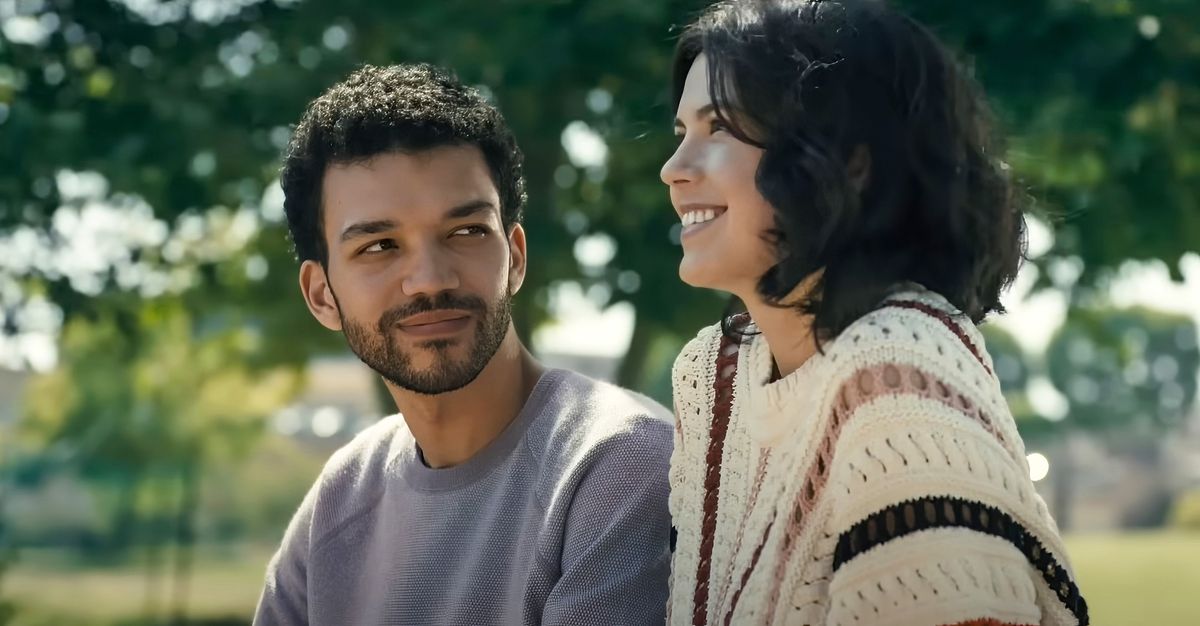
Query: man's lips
433	317
435	324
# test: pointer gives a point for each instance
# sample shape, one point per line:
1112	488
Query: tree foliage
182	107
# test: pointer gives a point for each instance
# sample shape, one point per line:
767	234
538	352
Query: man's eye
471	231
379	246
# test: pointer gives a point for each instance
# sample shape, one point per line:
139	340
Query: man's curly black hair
379	110
809	82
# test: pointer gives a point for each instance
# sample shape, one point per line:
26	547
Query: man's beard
379	350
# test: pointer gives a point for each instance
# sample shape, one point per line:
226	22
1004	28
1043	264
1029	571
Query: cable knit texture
883	482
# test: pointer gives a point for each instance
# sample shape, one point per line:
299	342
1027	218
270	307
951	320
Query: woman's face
711	177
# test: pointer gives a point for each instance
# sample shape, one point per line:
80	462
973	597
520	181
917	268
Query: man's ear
314	284
858	168
516	259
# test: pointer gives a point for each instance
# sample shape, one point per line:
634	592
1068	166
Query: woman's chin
695	273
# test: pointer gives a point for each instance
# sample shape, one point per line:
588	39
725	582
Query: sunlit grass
1128	579
1139	578
225	584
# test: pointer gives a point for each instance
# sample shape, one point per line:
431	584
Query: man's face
421	271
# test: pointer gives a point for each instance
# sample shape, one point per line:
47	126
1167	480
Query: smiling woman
843	453
816	147
711	178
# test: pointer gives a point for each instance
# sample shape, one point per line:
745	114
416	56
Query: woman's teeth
699	217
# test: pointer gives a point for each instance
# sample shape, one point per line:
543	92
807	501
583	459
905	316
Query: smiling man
503	492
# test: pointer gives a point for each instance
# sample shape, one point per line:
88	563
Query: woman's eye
717	126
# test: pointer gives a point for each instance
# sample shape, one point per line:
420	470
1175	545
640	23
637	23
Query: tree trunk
153	571
125	516
1063	474
631	373
185	539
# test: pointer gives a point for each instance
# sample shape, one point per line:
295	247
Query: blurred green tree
1125	368
187	103
1127	375
1102	104
144	405
1015	368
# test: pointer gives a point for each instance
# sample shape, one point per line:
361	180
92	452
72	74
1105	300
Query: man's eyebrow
468	209
374	227
362	229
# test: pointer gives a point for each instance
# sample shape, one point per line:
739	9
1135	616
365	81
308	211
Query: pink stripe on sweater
860	388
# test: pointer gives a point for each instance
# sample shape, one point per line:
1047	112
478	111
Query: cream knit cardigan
883	482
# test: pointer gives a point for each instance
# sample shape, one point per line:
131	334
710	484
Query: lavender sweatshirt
561	520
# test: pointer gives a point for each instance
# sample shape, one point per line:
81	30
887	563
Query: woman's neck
788	332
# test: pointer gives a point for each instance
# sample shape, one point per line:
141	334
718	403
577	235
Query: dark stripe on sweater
727	357
933	512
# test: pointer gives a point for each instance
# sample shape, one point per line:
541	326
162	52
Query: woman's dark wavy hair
809	81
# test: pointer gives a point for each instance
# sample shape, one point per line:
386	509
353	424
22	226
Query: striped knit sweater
883	482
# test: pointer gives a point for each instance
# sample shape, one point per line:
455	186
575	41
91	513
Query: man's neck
450	428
